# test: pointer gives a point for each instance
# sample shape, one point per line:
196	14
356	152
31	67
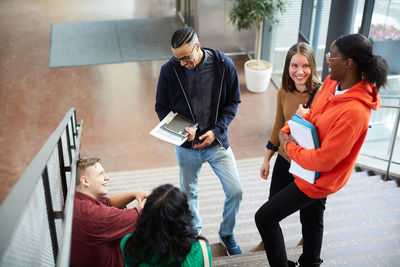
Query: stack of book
306	136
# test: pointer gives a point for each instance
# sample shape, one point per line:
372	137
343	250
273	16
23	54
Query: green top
193	258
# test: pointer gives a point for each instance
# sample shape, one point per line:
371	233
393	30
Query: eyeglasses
185	58
329	58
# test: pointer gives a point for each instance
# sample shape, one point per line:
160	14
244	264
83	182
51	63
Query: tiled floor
116	101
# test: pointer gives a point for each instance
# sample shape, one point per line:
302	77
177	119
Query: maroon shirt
97	230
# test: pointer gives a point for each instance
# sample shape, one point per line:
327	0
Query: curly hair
164	232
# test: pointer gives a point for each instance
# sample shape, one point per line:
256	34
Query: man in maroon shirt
99	222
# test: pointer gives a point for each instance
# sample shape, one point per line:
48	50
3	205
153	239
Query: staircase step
345	215
363	251
362	220
258	187
248	260
370	259
214	202
380	250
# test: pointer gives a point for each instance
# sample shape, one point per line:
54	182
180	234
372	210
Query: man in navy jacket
202	84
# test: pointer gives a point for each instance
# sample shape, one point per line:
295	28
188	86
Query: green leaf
246	12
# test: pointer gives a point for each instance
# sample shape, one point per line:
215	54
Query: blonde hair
81	165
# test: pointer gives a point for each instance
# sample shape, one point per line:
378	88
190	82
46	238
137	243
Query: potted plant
244	14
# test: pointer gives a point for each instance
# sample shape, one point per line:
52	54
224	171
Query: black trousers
286	198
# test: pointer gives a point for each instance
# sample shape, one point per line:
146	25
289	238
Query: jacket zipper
219	100
187	101
183	91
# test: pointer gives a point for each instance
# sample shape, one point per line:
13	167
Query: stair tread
362	220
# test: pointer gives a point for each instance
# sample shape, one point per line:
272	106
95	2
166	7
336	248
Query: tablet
178	124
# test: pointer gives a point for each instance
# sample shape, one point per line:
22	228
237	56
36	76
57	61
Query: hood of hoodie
363	91
342	125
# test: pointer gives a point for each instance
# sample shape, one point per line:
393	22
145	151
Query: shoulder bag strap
308	105
205	252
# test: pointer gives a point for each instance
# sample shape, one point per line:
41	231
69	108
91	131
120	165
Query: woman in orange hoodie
340	113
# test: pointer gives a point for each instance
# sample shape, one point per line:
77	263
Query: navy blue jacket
172	94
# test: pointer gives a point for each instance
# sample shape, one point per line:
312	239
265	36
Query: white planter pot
257	77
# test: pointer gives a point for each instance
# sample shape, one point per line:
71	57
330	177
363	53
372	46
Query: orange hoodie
342	124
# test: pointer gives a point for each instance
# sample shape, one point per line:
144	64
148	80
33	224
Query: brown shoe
259	247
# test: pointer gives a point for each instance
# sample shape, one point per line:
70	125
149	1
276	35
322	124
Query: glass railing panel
383	138
378	141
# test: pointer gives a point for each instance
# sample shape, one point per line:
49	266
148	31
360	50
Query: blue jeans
223	163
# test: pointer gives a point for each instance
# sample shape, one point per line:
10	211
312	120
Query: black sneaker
230	244
297	264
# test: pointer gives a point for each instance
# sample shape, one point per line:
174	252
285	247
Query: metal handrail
64	256
17	199
390	97
392	144
390	106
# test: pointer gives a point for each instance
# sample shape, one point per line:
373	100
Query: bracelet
271	146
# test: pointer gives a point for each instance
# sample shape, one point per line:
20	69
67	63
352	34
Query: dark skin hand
301	110
206	138
284	138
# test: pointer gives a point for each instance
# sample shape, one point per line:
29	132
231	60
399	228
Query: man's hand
208	138
121	200
141	197
192	133
283	139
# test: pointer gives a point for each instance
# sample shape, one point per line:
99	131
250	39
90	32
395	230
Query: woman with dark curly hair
164	235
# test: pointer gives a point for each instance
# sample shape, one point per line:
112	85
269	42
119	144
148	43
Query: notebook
307	137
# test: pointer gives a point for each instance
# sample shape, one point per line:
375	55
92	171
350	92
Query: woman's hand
264	170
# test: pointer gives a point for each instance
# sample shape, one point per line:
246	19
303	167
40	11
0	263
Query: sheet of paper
302	134
304	174
166	136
